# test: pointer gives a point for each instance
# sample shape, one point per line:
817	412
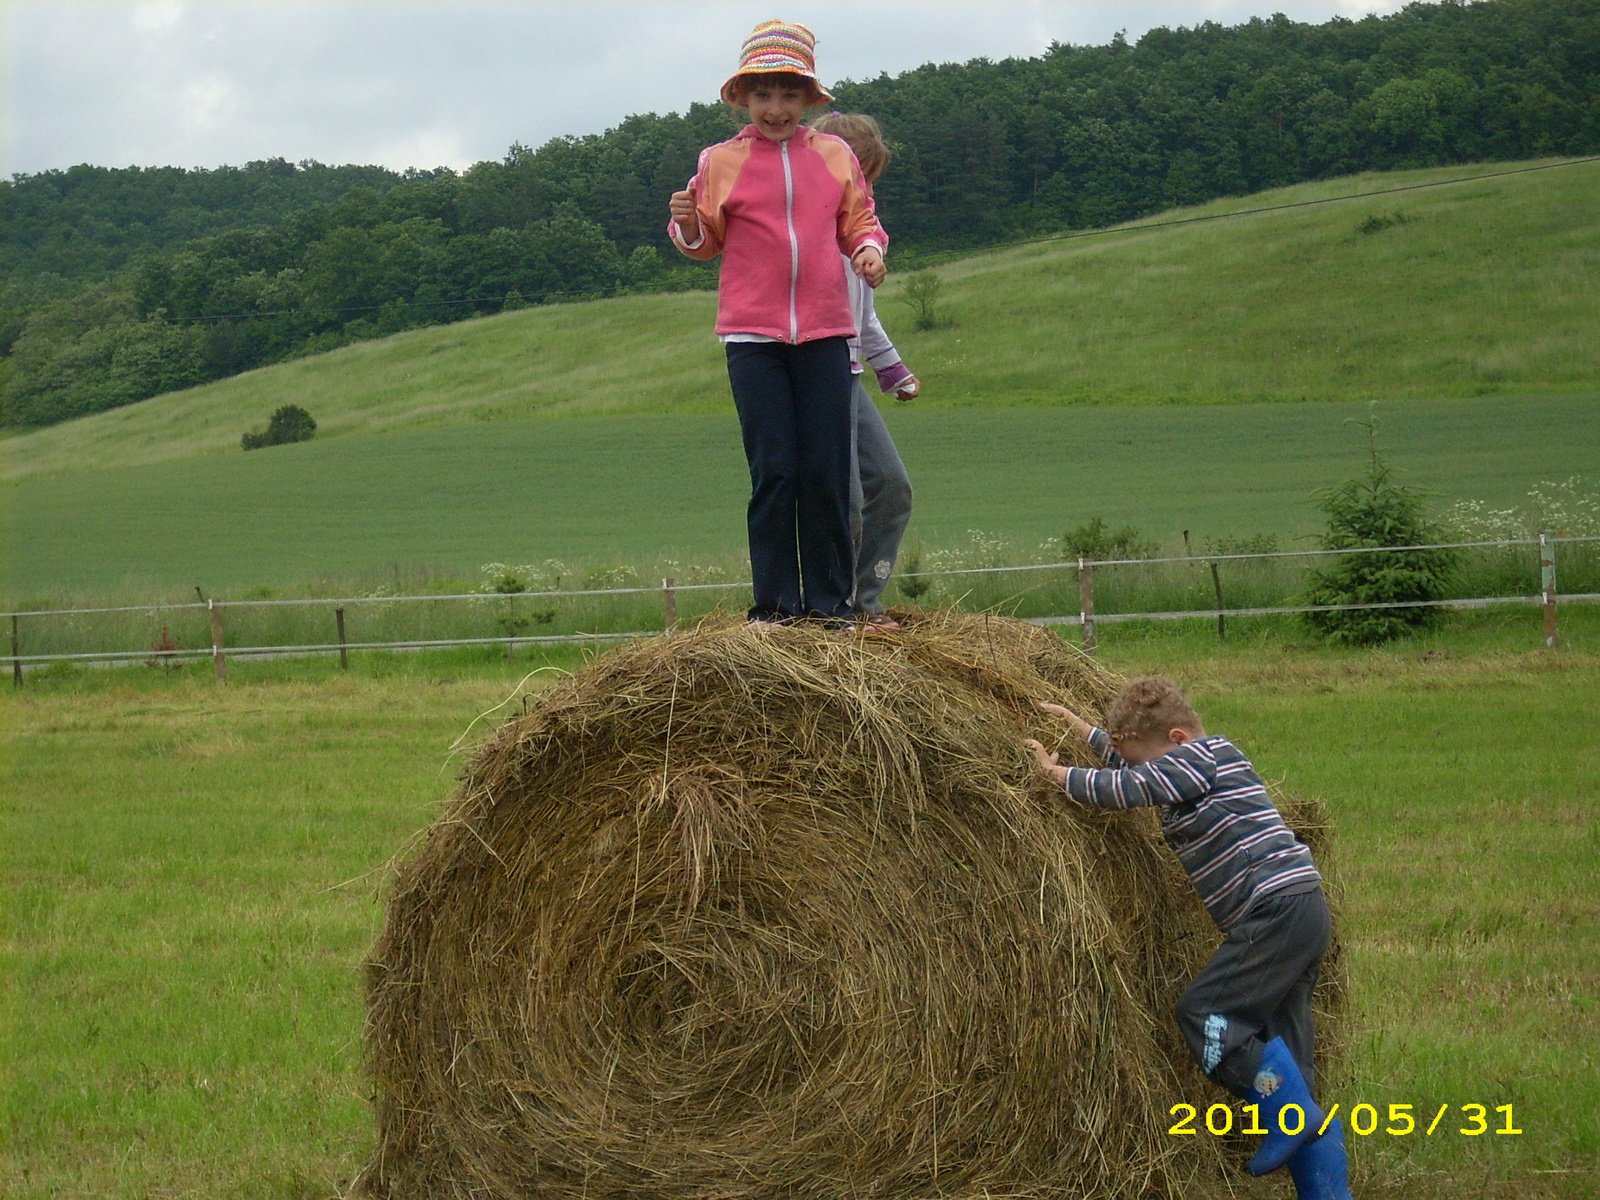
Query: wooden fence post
669	603
1086	603
1547	582
344	654
1222	621
16	661
218	658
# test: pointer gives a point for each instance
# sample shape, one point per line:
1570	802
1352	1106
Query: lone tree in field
921	294
291	423
1373	510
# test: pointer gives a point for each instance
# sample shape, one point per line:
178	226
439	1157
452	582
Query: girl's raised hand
682	208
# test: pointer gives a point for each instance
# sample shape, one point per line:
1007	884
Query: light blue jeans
880	501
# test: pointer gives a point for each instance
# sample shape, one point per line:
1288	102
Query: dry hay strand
744	913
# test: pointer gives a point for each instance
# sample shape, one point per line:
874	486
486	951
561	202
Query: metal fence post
344	653
669	603
16	661
1547	581
1086	603
218	658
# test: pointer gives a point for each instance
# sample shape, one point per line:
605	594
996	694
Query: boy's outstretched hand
1048	760
1079	726
1052	762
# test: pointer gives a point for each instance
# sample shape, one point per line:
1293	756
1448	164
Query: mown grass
191	889
1471	289
640	491
193	874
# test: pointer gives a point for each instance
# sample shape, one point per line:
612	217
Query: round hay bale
743	912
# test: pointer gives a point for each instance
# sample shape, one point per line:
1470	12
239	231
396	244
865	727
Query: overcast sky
430	83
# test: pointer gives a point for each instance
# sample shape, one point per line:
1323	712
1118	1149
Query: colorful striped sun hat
775	46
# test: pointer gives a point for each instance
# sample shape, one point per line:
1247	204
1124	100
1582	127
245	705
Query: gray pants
1257	987
880	501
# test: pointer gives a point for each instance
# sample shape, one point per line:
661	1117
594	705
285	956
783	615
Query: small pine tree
921	294
911	583
1373	510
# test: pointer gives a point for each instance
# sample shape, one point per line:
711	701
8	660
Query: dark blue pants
1257	987
794	412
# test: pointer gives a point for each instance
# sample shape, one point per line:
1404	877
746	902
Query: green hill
1470	309
1473	288
1079	137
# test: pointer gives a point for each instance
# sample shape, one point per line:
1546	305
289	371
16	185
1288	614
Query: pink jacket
780	214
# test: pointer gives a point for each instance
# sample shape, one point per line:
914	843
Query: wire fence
1081	593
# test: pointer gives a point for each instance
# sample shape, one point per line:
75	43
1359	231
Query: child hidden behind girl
880	489
780	203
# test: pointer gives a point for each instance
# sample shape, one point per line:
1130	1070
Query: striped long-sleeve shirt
1216	815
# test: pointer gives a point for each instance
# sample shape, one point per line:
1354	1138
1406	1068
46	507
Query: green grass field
1150	376
642	490
194	874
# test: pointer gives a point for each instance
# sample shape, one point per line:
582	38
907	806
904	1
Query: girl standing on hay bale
780	202
880	489
1247	1015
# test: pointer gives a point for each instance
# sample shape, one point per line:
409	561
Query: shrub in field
1378	222
291	423
164	646
921	295
1373	510
1095	540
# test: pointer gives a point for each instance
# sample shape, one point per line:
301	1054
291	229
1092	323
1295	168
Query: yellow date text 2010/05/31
1364	1120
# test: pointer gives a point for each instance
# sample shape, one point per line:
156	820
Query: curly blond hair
1150	707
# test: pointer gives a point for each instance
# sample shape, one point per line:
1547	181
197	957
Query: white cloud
440	146
1362	8
207	103
156	15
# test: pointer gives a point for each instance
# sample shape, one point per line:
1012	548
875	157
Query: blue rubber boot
1278	1085
1319	1168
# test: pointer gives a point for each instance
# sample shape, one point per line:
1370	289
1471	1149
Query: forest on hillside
120	284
